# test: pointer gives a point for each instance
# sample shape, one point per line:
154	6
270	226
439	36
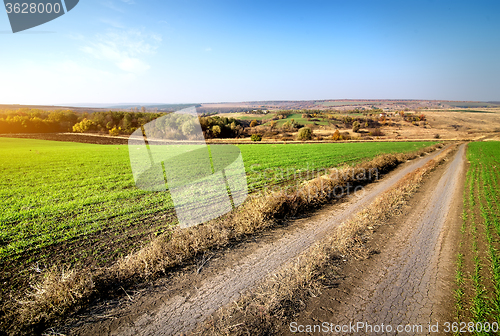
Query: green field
478	262
262	117
77	203
56	192
297	117
271	164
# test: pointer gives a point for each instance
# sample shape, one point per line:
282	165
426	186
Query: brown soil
71	137
452	125
179	303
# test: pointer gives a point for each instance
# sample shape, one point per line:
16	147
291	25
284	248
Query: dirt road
409	283
406	287
175	314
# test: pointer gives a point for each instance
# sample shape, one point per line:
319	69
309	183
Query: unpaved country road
407	286
182	313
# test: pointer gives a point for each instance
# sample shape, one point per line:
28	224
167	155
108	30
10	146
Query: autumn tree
216	130
355	126
336	135
305	133
256	137
83	126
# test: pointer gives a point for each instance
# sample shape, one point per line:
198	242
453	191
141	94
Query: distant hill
101	107
51	107
231	107
149	107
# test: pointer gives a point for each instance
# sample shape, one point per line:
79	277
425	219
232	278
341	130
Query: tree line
37	121
177	126
41	121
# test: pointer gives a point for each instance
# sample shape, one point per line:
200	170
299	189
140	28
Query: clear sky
132	51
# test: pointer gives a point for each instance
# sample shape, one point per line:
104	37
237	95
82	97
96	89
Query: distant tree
341	136
188	128
83	126
291	125
216	130
355	126
238	131
305	133
345	136
127	121
336	135
253	123
115	131
282	114
256	137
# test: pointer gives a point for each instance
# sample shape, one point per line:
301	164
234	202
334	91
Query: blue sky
132	51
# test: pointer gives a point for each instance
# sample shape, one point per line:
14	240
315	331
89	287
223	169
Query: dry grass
282	295
63	291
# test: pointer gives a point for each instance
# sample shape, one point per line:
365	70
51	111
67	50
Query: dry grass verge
280	297
64	291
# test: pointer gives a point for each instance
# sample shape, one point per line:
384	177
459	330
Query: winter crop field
478	266
64	203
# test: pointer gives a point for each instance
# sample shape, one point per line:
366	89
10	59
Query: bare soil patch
69	137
